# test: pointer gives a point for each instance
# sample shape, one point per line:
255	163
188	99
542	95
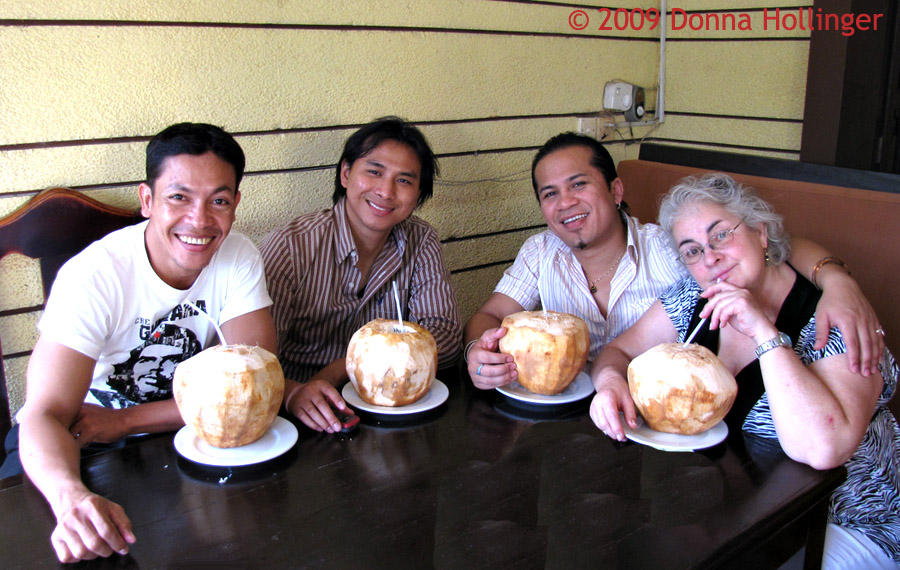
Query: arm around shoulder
842	305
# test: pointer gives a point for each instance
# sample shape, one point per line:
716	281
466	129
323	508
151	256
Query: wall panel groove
504	263
314	27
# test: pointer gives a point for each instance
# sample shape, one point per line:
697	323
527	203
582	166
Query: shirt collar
343	237
344	246
631	244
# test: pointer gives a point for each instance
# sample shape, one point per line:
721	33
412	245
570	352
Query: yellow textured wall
85	83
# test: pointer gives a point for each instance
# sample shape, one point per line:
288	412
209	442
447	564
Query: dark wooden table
478	483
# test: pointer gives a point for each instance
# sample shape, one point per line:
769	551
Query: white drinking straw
700	324
397	300
695	331
210	319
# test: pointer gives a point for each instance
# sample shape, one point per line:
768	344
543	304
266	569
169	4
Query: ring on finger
880	331
478	370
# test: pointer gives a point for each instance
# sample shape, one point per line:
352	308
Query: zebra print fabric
869	500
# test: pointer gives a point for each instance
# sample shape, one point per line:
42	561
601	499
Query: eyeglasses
693	253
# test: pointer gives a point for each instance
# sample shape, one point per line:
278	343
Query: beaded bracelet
822	263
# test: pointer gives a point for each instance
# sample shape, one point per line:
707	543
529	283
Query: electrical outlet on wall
596	126
589	126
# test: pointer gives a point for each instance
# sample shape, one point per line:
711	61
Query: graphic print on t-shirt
146	375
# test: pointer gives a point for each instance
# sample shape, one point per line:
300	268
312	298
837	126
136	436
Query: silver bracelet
468	348
780	339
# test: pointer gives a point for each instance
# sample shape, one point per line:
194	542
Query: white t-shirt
546	268
108	303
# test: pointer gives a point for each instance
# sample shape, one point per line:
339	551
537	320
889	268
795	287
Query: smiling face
740	262
577	203
382	189
191	209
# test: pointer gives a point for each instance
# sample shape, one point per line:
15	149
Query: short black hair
600	158
364	141
195	139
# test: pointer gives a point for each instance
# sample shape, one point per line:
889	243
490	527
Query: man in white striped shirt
598	263
330	272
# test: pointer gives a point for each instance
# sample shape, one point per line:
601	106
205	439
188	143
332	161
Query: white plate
673	441
280	438
579	389
436	396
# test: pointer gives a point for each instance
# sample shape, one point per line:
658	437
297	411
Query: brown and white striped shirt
313	281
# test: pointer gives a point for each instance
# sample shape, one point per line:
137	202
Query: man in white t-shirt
124	312
598	263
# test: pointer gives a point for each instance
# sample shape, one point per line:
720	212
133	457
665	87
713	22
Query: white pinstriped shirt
313	281
546	267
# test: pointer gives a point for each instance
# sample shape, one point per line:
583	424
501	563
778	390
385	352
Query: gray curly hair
742	201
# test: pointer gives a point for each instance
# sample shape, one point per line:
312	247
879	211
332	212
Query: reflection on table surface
478	482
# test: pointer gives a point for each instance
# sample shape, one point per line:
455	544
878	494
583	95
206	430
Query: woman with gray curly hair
759	319
723	190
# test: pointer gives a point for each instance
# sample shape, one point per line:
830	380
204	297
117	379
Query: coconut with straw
392	363
229	393
549	348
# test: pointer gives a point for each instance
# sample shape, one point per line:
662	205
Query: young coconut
549	348
390	365
230	394
681	388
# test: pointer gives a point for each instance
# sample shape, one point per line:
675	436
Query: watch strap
780	339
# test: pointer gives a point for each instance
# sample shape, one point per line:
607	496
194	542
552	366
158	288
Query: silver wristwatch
780	340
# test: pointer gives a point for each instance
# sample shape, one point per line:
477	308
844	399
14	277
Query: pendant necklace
593	282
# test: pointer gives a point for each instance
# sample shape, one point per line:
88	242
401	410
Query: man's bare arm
842	305
87	524
490	315
96	423
253	328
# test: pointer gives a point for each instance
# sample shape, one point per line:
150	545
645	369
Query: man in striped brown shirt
330	272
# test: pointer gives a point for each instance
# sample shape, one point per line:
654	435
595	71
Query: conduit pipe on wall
659	115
